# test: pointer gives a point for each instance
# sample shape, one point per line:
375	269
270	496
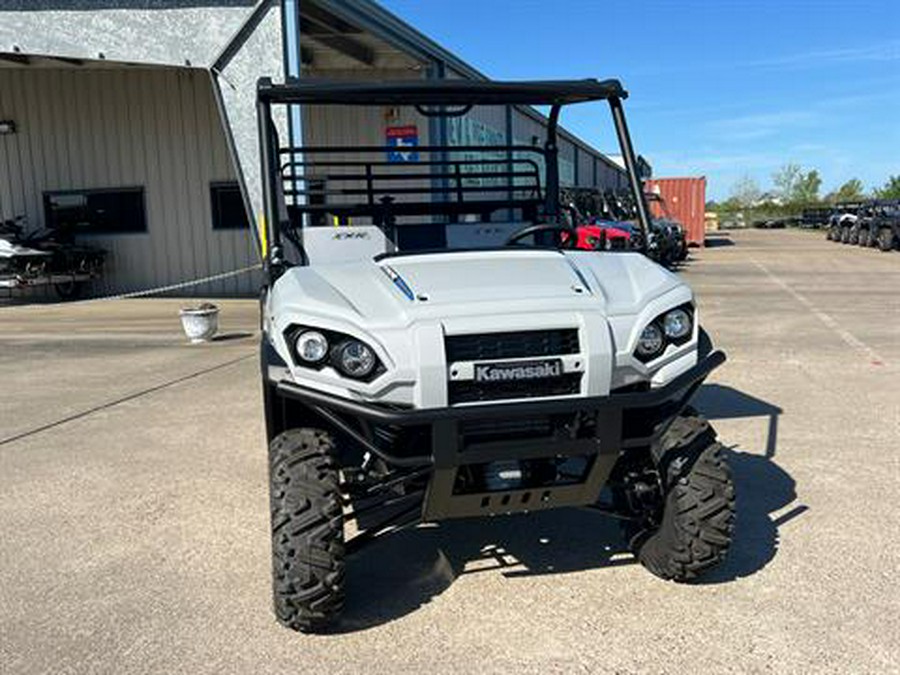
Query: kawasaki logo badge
515	372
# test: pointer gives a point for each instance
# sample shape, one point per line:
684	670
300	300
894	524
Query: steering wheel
569	241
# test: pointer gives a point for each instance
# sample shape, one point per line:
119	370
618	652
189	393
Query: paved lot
134	525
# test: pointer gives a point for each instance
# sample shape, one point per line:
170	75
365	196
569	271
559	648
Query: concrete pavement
133	505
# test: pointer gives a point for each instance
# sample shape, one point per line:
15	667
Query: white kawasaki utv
436	346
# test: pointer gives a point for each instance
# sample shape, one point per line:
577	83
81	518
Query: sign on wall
468	131
402	143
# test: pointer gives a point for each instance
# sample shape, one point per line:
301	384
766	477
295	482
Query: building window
104	211
228	212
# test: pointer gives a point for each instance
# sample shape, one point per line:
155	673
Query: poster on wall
402	143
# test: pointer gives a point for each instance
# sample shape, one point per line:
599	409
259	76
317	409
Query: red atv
598	234
603	236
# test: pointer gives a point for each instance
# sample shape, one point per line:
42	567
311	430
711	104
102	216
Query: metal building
136	117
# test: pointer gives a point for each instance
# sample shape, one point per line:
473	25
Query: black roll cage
449	98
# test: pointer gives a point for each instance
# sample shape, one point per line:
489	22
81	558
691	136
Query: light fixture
311	346
355	359
651	342
677	324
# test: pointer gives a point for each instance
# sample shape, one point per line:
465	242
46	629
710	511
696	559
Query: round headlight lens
677	324
311	346
356	359
651	341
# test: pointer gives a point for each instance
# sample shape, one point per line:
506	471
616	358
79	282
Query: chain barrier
161	289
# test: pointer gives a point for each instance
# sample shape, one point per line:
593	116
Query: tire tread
697	524
307	530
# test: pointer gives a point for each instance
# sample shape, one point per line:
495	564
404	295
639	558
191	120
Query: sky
718	88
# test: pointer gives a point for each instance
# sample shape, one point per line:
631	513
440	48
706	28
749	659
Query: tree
851	191
796	187
807	189
745	192
785	181
891	189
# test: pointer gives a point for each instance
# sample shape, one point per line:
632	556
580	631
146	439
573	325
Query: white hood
397	290
487	276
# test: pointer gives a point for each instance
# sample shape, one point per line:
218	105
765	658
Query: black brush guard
623	421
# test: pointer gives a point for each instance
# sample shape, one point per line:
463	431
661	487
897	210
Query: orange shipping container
685	201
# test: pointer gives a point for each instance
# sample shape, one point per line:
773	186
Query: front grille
483	431
523	344
469	391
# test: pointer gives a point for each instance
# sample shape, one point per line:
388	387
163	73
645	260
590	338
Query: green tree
851	191
891	189
807	189
796	187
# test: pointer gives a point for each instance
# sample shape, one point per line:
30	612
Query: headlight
677	324
674	327
651	342
319	348
311	346
355	359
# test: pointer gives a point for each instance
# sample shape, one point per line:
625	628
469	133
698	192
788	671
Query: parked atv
673	247
884	225
843	216
453	354
601	224
603	235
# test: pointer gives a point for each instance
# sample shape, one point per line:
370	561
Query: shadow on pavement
717	240
762	487
399	574
406	569
228	337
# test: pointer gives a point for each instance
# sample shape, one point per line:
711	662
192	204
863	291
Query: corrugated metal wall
157	128
340	126
358	125
585	168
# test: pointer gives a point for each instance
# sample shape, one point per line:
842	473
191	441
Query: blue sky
721	88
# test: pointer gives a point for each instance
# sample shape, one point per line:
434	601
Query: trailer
46	258
67	286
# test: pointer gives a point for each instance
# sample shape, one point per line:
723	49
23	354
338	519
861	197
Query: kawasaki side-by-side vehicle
435	346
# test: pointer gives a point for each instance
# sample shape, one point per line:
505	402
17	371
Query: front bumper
623	421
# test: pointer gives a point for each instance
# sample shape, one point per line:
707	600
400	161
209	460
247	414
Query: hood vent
398	282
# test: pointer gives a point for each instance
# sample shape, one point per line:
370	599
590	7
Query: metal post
551	161
271	234
637	187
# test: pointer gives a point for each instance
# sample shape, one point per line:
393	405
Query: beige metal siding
155	128
347	126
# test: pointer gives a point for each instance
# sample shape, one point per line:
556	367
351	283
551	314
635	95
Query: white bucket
200	323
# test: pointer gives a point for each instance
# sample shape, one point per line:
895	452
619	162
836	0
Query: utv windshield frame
446	193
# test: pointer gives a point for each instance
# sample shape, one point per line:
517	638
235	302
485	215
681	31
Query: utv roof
440	92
